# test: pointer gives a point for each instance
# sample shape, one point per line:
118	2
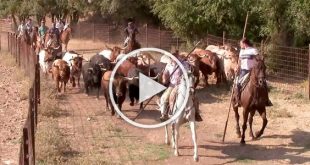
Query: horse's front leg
166	135
263	115
237	117
194	137
176	138
78	81
252	113
244	125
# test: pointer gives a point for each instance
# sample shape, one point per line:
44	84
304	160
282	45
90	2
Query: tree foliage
284	22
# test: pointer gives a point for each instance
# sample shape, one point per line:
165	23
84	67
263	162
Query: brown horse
208	63
35	40
65	36
253	98
133	44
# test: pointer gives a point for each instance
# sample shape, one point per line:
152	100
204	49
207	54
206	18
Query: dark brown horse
35	40
253	98
65	37
133	44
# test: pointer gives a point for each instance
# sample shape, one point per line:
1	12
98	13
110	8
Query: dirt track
96	136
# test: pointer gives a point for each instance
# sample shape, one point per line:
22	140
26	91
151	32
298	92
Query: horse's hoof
258	134
176	153
196	158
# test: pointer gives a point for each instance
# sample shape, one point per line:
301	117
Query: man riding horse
42	32
130	32
247	62
172	75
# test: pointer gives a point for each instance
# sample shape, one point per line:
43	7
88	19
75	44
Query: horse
133	44
187	114
253	98
25	37
52	43
35	40
65	36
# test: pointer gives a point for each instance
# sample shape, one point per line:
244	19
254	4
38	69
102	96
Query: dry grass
19	75
51	146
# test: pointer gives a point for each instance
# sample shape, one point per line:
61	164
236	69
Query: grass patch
51	147
243	159
276	111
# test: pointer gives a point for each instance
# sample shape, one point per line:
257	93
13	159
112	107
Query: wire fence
28	61
148	36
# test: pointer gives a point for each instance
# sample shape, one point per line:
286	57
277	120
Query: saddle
243	81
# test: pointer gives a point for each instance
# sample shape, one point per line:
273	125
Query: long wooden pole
245	24
232	91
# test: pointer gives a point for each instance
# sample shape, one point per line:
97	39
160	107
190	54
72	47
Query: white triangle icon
148	87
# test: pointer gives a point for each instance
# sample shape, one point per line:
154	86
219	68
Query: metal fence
149	36
287	64
28	61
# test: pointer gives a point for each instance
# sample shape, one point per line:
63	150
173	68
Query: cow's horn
103	69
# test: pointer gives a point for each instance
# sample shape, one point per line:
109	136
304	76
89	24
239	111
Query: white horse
187	115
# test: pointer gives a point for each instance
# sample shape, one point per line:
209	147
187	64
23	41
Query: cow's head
119	84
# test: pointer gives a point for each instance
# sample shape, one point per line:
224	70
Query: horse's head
258	73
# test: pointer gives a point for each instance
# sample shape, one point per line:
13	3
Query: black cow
119	90
92	77
101	61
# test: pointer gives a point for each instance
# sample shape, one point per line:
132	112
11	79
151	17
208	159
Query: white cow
106	53
69	56
45	61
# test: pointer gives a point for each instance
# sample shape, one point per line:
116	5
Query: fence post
159	37
109	33
9	39
177	43
25	150
38	80
31	143
224	37
79	25
146	36
93	32
0	42
309	72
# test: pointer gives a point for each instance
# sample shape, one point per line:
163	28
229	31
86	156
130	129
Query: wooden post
109	33
309	72
146	36
159	37
94	32
0	42
223	37
79	25
245	24
25	146
177	43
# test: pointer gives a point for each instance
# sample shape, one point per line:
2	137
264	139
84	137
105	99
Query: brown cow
76	70
60	73
119	90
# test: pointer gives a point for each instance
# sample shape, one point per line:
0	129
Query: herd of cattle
96	71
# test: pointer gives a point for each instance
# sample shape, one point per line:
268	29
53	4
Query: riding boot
164	110
237	96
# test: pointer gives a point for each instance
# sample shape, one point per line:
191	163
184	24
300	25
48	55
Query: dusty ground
13	109
97	137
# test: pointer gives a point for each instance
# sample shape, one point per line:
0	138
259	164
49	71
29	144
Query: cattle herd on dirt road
220	61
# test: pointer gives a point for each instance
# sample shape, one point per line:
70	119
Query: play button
148	87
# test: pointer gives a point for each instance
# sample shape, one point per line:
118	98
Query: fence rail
28	61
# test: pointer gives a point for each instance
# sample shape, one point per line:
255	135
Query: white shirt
60	26
246	56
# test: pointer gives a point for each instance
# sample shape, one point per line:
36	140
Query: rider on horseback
29	25
21	28
59	25
131	29
171	78
246	63
55	31
42	31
